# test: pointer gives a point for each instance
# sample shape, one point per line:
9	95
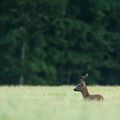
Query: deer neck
85	92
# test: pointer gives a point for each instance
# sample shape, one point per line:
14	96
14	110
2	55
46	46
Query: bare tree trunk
23	50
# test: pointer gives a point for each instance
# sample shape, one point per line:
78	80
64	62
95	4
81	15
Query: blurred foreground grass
57	103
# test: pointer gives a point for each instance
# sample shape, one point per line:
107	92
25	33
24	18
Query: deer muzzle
75	89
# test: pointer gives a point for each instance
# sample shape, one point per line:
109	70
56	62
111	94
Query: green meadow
58	103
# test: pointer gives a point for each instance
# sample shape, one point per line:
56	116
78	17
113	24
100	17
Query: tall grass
57	103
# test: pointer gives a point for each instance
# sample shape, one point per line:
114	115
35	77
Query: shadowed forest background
54	42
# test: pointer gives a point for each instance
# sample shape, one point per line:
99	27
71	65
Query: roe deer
81	87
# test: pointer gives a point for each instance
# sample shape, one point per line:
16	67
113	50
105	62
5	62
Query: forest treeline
54	42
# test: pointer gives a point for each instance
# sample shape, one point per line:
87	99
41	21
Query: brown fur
81	87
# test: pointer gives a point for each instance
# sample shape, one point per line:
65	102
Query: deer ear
83	78
86	75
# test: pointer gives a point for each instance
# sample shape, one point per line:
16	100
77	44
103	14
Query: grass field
57	103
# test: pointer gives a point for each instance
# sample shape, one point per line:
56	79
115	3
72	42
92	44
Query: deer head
81	86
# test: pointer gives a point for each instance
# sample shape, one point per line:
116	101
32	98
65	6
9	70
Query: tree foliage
53	42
